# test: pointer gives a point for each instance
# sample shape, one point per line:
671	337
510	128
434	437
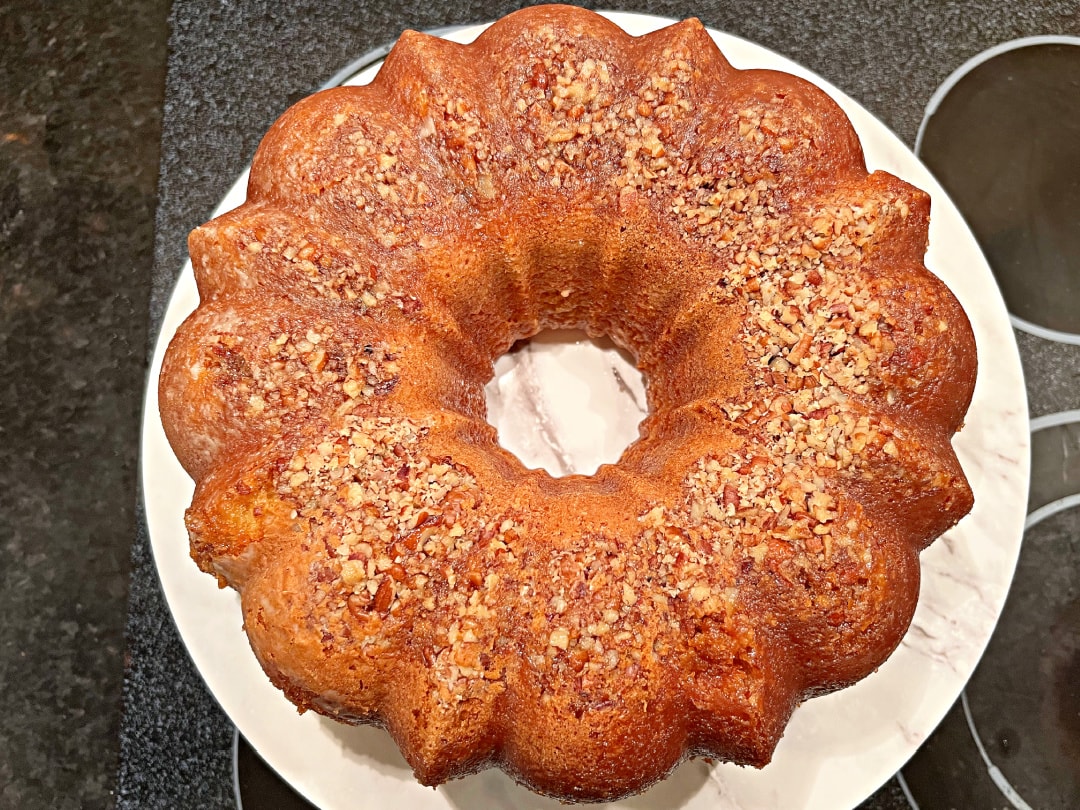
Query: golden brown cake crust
756	546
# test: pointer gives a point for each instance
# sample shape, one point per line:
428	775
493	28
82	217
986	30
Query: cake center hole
565	402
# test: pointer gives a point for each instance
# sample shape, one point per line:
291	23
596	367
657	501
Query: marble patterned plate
838	749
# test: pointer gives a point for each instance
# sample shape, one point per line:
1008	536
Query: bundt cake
758	545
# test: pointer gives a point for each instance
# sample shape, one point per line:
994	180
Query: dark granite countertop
81	93
86	119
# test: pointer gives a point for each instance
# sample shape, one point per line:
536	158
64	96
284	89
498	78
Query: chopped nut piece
560	638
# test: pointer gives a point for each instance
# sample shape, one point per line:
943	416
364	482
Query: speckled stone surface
81	89
1052	372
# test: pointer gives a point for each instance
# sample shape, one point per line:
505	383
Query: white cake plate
838	749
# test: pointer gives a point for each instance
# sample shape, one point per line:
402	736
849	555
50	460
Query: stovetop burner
1003	138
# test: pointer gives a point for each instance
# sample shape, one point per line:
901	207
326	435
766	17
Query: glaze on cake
757	546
